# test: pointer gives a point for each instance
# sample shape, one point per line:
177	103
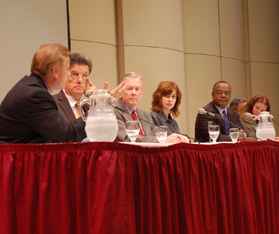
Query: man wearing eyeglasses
76	85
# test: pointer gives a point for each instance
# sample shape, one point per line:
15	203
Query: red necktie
134	116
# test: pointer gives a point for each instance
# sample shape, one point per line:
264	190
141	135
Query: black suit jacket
64	106
201	125
29	113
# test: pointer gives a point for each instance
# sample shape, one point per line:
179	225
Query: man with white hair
127	109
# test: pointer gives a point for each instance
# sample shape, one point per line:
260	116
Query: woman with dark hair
165	104
237	105
250	117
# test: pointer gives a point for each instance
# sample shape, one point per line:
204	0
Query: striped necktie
77	110
134	116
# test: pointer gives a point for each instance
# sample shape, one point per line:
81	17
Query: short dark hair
262	99
76	58
235	102
165	88
220	82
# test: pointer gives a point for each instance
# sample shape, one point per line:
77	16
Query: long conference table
114	188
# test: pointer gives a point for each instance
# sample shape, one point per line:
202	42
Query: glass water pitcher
100	120
265	129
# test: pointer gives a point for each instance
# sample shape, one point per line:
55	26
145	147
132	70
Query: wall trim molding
119	31
68	24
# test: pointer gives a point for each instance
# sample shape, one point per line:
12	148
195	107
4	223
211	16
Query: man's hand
116	91
90	87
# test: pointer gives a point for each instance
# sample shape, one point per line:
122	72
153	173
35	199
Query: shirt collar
125	107
222	109
70	99
164	117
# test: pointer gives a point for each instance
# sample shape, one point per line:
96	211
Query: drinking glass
132	129
234	134
213	131
161	133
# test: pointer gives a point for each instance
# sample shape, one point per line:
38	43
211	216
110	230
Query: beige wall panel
264	30
234	72
201	73
201	31
156	65
92	20
103	58
231	23
265	82
153	23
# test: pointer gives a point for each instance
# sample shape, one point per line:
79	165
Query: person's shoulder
26	88
31	83
143	112
210	107
60	96
118	107
154	114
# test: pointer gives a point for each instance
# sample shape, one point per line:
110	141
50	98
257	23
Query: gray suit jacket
122	114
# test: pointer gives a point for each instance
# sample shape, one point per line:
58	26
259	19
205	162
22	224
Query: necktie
134	116
77	110
226	122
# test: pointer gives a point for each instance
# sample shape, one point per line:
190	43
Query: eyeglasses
74	76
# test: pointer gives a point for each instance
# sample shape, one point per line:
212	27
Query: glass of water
161	133
234	134
213	131
132	129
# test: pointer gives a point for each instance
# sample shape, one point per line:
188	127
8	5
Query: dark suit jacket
123	115
201	125
29	113
64	106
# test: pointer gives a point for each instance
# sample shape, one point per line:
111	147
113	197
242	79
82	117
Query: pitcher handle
85	104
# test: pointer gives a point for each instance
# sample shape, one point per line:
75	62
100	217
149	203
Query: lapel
65	107
215	111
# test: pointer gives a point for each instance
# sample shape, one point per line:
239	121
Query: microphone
209	115
202	111
212	116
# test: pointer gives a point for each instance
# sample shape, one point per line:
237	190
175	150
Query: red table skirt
111	188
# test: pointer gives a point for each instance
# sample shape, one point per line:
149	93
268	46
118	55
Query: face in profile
60	74
77	82
258	108
132	92
168	101
221	95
